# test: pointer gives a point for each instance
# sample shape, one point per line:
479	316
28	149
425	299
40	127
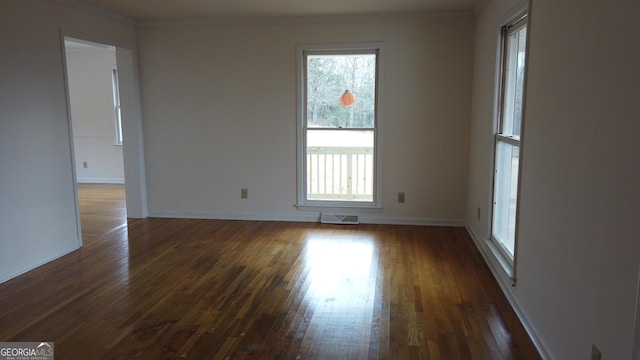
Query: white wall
579	238
220	115
90	91
38	210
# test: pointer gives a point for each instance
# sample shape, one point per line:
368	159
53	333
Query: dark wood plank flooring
209	289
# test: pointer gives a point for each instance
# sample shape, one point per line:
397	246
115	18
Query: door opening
96	123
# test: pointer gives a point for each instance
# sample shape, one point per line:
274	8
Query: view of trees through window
340	136
328	76
507	153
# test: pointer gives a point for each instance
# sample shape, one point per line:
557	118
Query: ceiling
181	10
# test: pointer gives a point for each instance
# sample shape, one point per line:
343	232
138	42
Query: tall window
338	126
116	106
507	138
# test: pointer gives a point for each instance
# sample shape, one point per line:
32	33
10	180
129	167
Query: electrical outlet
401	198
85	164
244	193
595	353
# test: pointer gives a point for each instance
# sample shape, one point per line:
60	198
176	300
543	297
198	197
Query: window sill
501	260
338	207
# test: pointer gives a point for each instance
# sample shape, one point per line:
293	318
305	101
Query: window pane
514	82
340	165
507	155
505	195
118	125
116	106
328	76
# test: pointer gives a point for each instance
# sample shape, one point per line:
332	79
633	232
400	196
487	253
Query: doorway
120	129
96	123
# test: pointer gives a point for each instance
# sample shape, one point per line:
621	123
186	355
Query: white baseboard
310	217
15	272
99	181
412	221
225	216
504	281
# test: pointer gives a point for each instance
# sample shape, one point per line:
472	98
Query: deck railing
340	173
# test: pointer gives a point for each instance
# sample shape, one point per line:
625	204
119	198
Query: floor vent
339	219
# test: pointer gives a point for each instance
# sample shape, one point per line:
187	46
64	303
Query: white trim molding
96	10
311	216
304	19
100	181
376	48
504	280
15	272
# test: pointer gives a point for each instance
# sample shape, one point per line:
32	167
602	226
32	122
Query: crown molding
271	20
75	4
480	6
302	20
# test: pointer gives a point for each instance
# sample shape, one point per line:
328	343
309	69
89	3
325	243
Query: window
116	106
507	138
338	139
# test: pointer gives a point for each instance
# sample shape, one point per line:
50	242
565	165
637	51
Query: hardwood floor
102	208
209	289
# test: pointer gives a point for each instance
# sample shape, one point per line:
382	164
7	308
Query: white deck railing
340	173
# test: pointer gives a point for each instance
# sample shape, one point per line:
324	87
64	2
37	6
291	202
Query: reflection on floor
213	289
102	208
342	277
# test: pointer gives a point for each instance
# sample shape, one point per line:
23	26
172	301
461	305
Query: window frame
302	51
117	106
500	136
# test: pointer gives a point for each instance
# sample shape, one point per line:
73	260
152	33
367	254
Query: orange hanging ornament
347	98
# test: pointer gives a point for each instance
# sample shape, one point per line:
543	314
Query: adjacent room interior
96	124
481	155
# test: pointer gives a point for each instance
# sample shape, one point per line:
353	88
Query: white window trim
506	262
117	105
302	202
